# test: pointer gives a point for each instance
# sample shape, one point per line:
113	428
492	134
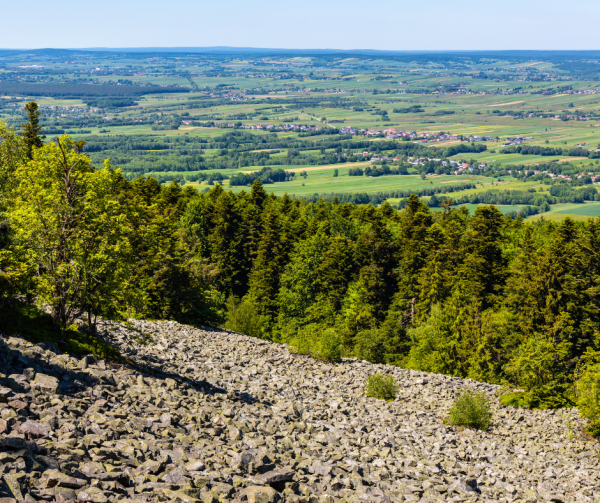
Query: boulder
46	382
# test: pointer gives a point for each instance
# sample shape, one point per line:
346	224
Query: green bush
319	342
381	386
329	347
241	317
541	368
588	397
471	409
370	346
516	399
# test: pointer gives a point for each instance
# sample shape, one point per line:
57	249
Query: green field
500	98
322	181
473	207
575	211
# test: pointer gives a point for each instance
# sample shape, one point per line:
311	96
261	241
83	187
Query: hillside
198	415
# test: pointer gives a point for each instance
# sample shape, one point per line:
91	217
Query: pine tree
251	232
33	133
413	251
336	271
483	272
264	278
226	245
286	204
258	195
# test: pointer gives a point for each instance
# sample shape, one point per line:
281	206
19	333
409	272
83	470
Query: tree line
65	90
549	151
558	194
377	198
380	170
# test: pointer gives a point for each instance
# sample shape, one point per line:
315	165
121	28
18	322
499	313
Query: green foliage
329	347
318	341
242	317
381	386
432	343
68	225
588	396
264	278
539	366
520	399
370	346
471	409
33	134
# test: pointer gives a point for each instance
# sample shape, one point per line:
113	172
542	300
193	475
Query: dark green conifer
264	278
258	195
226	245
33	133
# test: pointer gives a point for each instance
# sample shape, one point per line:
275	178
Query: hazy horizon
335	25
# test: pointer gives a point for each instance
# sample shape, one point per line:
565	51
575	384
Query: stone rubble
212	416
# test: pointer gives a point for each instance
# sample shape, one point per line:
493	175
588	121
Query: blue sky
311	24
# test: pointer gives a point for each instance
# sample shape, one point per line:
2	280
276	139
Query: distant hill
432	55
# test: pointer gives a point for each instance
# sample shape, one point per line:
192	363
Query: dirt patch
511	103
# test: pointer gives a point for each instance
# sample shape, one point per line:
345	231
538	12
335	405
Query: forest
81	90
480	296
549	151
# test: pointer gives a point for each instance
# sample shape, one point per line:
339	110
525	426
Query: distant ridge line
262	50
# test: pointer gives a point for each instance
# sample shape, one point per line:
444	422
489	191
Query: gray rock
261	495
195	465
46	382
53	478
204	415
34	429
5	394
273	477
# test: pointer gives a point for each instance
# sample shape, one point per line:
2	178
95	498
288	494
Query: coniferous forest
480	296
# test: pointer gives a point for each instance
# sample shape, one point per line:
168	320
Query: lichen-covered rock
46	382
261	495
198	415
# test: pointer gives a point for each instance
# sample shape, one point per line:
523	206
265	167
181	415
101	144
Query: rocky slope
214	416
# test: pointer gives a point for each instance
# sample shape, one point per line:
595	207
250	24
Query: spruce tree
226	246
258	195
286	204
484	268
33	133
264	278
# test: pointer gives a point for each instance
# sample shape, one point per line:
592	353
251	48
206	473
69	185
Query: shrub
516	399
319	342
242	317
381	386
588	397
370	346
329	347
471	409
